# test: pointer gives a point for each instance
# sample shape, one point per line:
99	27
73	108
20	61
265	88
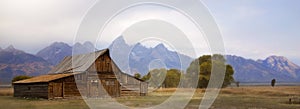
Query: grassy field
260	97
6	91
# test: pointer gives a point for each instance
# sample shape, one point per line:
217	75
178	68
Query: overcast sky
259	28
250	28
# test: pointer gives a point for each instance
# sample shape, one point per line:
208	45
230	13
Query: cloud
250	28
257	28
32	24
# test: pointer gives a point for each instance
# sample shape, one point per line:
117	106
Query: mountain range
15	62
139	58
58	50
273	67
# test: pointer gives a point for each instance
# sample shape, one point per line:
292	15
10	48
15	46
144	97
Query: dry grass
229	98
8	102
262	97
6	91
264	91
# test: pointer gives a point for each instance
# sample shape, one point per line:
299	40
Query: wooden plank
31	90
57	90
111	86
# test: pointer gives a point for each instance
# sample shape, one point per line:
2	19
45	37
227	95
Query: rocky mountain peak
15	62
141	56
119	43
55	52
58	50
274	58
119	40
161	47
138	46
248	70
280	61
89	44
281	64
59	44
77	44
86	47
10	48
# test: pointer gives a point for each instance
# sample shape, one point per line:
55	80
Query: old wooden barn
87	75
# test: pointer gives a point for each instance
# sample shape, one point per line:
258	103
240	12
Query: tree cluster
200	69
163	78
203	66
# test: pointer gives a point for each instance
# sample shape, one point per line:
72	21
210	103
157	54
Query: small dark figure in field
237	84
273	82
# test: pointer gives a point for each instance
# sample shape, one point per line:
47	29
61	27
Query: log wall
37	90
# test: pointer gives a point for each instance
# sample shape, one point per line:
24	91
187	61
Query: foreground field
229	98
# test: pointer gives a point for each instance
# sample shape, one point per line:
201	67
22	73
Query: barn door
94	89
112	87
57	90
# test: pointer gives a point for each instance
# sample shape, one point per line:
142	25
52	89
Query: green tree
202	67
155	77
172	78
21	77
137	75
163	78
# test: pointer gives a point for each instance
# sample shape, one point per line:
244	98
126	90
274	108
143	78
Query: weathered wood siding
101	78
67	86
102	64
81	81
36	90
103	84
132	86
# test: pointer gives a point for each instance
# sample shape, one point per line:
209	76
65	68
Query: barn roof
77	63
69	65
44	78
